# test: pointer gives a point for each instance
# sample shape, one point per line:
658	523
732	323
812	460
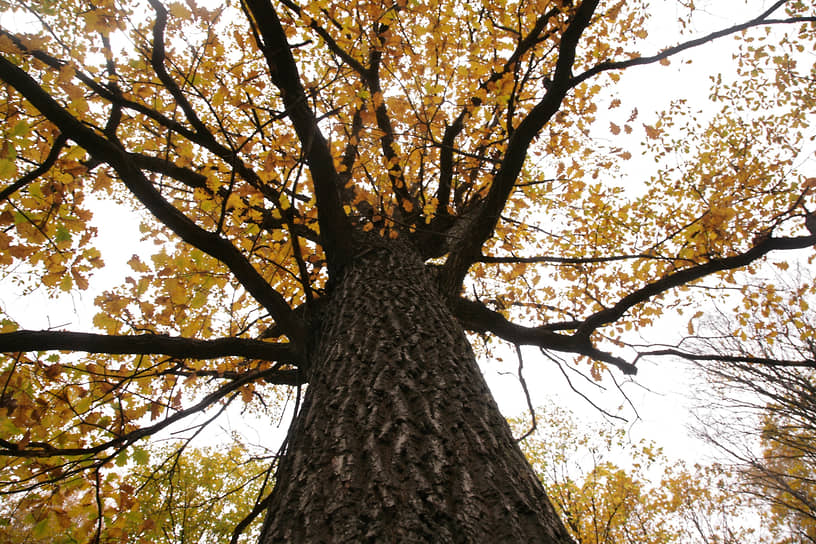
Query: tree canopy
253	141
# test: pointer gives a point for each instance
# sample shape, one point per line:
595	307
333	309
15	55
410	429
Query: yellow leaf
137	265
66	74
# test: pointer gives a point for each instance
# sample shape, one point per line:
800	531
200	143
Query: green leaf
42	529
63	234
121	459
21	128
140	455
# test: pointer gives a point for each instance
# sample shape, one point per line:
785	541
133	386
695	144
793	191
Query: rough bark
399	438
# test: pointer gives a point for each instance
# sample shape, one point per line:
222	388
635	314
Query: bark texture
399	438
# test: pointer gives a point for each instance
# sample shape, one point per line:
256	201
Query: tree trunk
399	439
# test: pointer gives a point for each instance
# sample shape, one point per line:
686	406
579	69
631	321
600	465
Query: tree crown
254	140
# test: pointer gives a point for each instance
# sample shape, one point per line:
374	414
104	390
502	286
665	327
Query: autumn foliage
250	142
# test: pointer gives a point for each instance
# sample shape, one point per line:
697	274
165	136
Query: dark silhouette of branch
719	357
41	449
157	59
478	232
761	20
523	382
452	131
183	348
202	136
46	165
477	317
335	227
563	260
689	275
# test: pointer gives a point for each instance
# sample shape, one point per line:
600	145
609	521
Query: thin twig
523	383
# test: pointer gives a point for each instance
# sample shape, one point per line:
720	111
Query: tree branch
387	140
688	275
202	136
46	165
763	361
38	449
335	227
458	262
477	317
671	51
441	220
563	260
158	344
331	43
108	152
157	59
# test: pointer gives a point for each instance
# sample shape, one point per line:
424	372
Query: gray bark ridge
399	438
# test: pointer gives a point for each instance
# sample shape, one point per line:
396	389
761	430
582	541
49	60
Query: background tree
761	381
196	497
610	489
336	192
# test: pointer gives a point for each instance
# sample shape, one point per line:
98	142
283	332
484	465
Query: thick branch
108	152
477	317
335	227
331	43
452	131
443	193
157	61
387	140
143	344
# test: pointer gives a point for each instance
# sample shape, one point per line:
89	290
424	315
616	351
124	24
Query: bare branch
563	260
523	383
718	357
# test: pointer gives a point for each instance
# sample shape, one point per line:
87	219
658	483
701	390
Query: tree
762	378
611	489
337	192
197	497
